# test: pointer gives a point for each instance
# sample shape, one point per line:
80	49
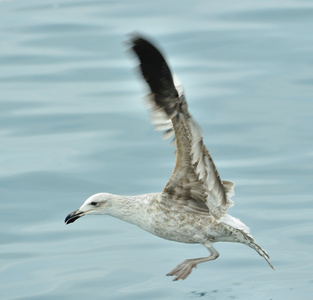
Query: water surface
73	123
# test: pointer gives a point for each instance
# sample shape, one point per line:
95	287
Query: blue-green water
73	123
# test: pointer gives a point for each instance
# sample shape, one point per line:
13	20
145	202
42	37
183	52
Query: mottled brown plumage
195	177
192	207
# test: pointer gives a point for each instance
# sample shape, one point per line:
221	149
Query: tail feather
261	252
242	235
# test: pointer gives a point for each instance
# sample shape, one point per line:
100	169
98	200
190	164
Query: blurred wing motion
195	183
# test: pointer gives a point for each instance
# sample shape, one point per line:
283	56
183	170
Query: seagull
192	208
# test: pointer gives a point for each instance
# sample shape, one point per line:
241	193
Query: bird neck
131	209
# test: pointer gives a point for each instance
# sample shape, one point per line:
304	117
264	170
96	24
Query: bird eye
93	203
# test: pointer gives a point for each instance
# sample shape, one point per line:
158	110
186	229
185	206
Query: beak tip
72	217
66	221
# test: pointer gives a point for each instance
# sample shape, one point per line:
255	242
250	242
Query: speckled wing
195	183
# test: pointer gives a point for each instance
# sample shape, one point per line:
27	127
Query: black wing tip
154	68
146	50
140	40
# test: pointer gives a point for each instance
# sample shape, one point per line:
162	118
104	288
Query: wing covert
195	181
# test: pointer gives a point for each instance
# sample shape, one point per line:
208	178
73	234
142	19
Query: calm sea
73	123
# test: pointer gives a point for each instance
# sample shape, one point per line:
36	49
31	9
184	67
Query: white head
97	204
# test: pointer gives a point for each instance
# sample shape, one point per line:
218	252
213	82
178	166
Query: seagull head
95	205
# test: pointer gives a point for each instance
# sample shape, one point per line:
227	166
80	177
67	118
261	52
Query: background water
73	123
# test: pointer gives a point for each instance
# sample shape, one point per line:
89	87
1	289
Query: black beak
73	216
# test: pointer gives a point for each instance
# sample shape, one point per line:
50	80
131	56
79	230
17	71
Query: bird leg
184	269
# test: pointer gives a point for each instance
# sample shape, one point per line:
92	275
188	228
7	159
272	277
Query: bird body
192	207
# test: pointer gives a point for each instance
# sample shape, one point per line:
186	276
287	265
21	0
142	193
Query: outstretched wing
195	182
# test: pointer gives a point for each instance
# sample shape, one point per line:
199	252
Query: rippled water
72	124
